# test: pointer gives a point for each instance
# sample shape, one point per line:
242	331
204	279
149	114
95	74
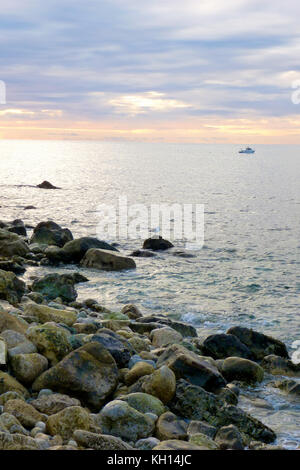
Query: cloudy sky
152	70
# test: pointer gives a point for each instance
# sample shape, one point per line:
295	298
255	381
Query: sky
208	71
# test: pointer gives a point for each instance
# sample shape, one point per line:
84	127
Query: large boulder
186	364
220	346
75	250
51	341
44	314
88	373
157	244
54	403
243	370
66	421
121	420
195	403
11	288
11	244
50	233
56	285
259	344
105	260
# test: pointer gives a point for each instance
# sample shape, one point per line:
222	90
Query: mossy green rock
51	341
11	244
17	442
55	285
89	373
8	321
144	403
10	384
24	412
203	440
161	384
44	314
169	426
243	370
174	444
99	441
11	287
67	421
27	367
121	420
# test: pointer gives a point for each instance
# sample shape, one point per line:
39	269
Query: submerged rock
75	250
243	370
46	185
277	365
157	244
105	260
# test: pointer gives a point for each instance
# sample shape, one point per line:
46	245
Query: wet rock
105	260
174	444
119	419
144	403
56	285
12	266
221	346
46	185
26	414
243	370
65	422
75	250
157	244
54	403
44	314
142	254
260	345
12	245
50	233
200	427
17	442
165	336
228	396
51	341
10	384
17	226
229	437
27	367
169	426
186	364
132	311
89	374
100	441
289	386
161	384
277	365
11	288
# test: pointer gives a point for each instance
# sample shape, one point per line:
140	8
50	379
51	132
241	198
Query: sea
246	270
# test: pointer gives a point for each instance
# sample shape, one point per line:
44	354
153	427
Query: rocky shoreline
75	375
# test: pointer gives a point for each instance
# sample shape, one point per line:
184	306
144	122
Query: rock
169	426
259	344
27	367
132	311
119	419
164	337
24	412
75	250
30	207
10	384
55	285
100	441
51	341
10	396
289	386
228	395
54	403
157	244
277	365
17	343
194	403
8	321
50	233
3	352
161	384
106	260
66	421
203	440
140	369
12	245
46	185
185	329
187	364
119	349
9	265
9	423
44	314
89	373
142	254
221	346
17	442
237	368
229	437
140	344
147	444
11	288
144	403
174	444
200	427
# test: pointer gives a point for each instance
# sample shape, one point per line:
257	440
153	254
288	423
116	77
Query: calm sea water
246	274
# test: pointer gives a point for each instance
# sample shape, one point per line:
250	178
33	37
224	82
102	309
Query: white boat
247	150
